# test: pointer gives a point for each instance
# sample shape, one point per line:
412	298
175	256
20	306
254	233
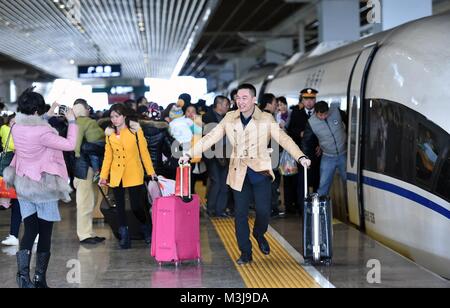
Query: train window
403	144
427	153
389	139
443	185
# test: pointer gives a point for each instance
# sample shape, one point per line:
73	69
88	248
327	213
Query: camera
62	110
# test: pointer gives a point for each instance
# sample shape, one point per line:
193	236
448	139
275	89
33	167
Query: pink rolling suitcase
176	226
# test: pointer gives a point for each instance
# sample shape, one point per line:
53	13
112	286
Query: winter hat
80	111
184	101
154	111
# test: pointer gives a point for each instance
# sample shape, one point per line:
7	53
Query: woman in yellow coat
126	153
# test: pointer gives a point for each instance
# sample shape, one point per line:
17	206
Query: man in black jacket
269	104
299	119
218	166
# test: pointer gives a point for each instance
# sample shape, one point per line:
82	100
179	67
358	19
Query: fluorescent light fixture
183	58
12	91
101	31
192	39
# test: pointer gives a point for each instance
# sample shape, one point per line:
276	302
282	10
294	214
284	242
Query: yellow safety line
278	270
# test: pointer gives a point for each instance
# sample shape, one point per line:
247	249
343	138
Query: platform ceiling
147	37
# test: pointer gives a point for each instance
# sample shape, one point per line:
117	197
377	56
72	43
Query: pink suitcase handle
182	184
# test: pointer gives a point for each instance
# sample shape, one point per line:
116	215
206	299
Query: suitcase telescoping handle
182	184
305	174
316	218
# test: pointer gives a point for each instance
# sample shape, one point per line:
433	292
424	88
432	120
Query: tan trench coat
249	145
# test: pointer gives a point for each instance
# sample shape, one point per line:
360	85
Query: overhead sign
100	71
120	90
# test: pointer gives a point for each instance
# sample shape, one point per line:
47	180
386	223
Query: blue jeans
328	166
95	152
262	193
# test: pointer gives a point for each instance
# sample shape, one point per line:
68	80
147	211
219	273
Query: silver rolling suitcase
317	228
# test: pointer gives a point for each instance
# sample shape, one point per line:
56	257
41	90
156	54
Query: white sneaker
36	239
11	240
10	250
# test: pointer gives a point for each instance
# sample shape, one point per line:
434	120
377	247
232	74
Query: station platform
107	266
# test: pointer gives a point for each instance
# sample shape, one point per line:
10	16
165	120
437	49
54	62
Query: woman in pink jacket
39	174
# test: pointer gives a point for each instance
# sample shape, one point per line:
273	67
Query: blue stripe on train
402	192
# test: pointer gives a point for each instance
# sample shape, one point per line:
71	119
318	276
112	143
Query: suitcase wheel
308	262
328	262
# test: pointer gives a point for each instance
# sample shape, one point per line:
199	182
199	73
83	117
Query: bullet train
395	86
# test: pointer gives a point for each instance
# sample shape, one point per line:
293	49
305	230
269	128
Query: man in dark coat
299	119
218	166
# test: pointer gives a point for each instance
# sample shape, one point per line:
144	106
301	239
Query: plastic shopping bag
288	165
166	186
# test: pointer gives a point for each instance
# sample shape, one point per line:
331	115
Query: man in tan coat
250	173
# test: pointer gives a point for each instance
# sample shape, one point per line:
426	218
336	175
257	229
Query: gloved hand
305	162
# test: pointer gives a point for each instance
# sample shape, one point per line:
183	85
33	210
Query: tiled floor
105	265
73	265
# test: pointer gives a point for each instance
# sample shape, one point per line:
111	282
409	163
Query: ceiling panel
147	37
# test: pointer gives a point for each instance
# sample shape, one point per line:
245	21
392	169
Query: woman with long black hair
126	156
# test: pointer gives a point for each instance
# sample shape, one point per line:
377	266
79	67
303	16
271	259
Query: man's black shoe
89	241
263	244
99	239
244	259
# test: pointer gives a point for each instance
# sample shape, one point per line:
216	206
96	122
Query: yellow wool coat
249	145
122	163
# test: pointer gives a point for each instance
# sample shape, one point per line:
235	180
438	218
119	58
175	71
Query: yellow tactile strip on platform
278	270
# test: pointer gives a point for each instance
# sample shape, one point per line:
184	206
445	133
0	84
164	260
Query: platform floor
352	250
105	265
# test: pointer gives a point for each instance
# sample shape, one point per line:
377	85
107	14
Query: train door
355	99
